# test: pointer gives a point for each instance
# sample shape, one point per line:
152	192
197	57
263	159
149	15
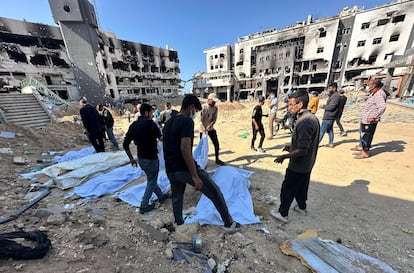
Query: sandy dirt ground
367	204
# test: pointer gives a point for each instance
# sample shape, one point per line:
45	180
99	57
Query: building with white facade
346	48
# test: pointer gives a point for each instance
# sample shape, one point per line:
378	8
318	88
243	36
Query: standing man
374	108
166	114
208	117
257	125
108	122
341	105
272	113
181	167
145	132
331	112
302	155
92	124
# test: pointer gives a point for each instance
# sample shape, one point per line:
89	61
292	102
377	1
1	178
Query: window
365	25
319	50
388	56
372	59
361	43
382	22
394	37
398	18
376	41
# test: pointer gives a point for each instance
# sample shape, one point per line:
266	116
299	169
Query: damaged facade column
78	25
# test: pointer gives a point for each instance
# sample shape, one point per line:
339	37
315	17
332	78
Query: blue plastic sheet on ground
4	134
133	195
234	184
108	183
74	155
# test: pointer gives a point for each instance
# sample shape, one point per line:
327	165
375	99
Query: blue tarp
4	134
234	184
108	183
133	195
74	154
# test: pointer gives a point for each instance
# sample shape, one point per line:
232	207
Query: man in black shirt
145	132
92	124
257	125
181	167
302	155
108	123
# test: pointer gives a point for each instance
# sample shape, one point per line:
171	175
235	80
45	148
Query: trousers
180	179
294	186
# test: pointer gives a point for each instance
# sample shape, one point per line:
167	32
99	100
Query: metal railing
44	91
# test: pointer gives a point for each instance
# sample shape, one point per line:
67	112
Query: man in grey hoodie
331	112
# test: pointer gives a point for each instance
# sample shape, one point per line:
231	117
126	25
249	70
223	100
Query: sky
189	26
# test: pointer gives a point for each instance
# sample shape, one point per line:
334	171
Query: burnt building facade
346	48
79	59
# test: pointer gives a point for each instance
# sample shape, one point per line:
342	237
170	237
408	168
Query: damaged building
347	48
79	59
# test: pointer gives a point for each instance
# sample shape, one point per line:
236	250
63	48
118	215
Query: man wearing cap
182	169
208	117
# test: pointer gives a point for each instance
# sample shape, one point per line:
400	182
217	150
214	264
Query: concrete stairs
23	110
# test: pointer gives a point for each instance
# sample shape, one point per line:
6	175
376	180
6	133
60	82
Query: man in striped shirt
371	115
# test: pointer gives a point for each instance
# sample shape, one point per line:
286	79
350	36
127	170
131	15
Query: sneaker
301	211
219	162
279	216
260	149
145	209
253	148
233	228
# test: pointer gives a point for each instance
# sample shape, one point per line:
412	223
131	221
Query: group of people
307	135
177	135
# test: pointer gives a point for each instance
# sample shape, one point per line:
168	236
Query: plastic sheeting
234	184
133	195
108	183
5	134
72	173
113	181
71	155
